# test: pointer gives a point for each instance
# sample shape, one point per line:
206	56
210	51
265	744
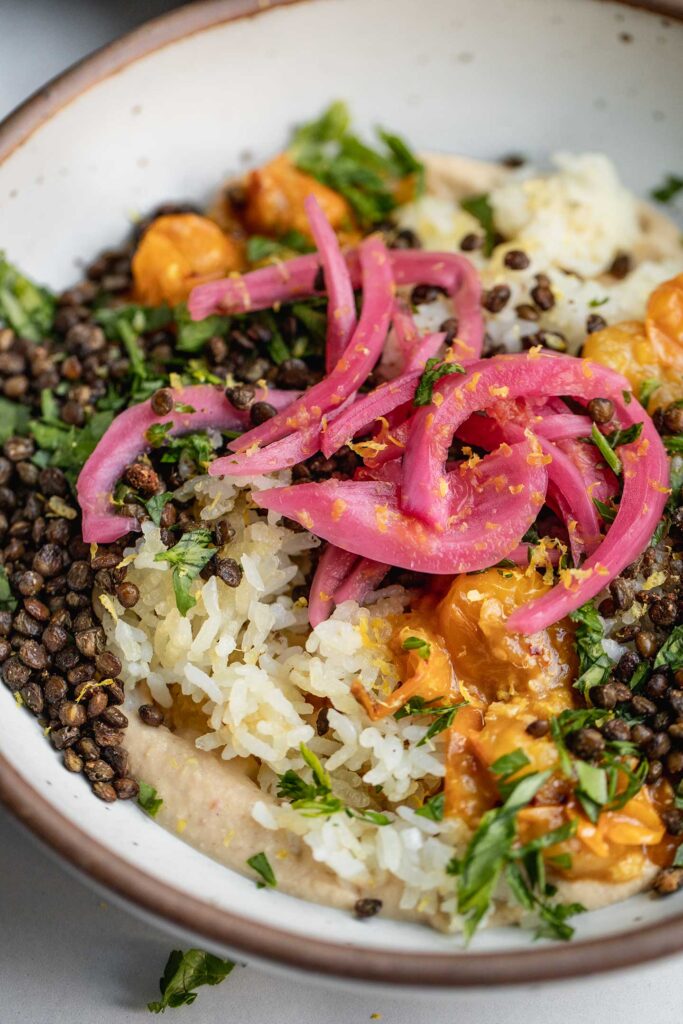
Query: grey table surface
67	954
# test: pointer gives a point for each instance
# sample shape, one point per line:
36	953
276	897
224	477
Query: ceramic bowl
168	112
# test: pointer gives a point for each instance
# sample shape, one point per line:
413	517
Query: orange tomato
275	200
664	324
176	253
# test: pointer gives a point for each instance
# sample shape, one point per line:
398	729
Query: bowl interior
173	123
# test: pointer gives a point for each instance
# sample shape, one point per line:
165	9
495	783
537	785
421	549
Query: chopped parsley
596	303
66	447
156	505
149	799
434	370
125	324
670	654
326	149
7	602
493	852
185	972
196	446
262	866
674	445
605	448
260	248
647	390
188	557
594	663
627	436
416	643
315	799
443	715
24	306
669	189
13	419
192	335
480	208
607	512
433	808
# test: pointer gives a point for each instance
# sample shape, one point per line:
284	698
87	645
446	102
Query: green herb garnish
594	663
492	852
366	177
443	715
480	208
647	390
669	189
674	445
261	865
416	643
185	972
596	303
156	505
315	799
433	808
604	447
260	248
149	799
434	370
67	447
607	512
24	306
7	602
13	419
188	557
196	446
670	654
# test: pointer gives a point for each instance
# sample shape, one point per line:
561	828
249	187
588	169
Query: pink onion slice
645	491
368	408
333	568
415	349
125	440
341	309
490	515
363	579
487	381
361	354
296	278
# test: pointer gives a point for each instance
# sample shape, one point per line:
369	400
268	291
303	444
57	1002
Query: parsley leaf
416	643
433	808
7	602
607	512
68	447
24	306
149	799
156	504
13	419
670	654
315	799
192	335
669	189
185	972
125	324
605	449
674	445
595	303
594	663
443	715
647	390
489	852
188	557
481	210
261	865
628	436
260	248
434	370
326	149
196	447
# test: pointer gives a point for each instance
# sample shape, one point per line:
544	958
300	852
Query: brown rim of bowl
223	928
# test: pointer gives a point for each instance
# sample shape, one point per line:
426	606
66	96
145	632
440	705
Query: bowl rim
222	928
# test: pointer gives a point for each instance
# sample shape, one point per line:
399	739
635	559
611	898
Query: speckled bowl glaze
166	113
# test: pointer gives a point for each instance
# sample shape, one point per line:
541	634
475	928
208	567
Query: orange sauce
511	680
